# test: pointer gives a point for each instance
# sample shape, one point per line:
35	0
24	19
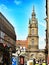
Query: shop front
7	41
1	57
4	55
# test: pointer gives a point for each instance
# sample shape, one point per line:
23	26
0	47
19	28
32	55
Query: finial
33	13
33	9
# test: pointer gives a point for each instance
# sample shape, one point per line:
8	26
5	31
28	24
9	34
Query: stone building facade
22	43
33	32
47	28
7	40
33	39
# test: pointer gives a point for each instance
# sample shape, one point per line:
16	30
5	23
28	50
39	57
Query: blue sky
18	13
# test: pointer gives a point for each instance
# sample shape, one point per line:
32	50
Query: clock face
33	21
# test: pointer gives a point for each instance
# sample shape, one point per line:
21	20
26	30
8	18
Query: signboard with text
14	60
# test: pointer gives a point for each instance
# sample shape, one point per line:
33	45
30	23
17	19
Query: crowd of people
39	62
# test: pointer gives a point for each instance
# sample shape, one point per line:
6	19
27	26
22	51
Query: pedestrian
40	63
36	63
4	63
44	63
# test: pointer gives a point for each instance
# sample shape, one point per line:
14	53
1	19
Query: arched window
32	41
32	32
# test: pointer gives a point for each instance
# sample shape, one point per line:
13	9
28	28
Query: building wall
7	33
47	26
22	43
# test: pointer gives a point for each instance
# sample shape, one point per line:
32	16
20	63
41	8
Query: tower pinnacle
33	13
33	9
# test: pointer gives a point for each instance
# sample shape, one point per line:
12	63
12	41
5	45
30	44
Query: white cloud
17	2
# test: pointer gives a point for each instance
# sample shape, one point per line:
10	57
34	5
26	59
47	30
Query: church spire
33	13
33	18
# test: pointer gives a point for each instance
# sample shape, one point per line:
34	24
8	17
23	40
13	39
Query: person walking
44	63
36	63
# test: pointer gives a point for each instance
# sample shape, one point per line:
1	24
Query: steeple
33	20
33	13
33	32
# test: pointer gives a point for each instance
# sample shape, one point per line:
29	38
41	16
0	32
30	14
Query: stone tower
33	32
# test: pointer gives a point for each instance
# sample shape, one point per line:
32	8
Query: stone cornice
6	21
6	27
33	36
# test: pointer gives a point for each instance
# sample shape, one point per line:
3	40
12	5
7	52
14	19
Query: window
32	41
1	34
32	32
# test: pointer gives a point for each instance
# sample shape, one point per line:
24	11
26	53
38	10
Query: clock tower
33	32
